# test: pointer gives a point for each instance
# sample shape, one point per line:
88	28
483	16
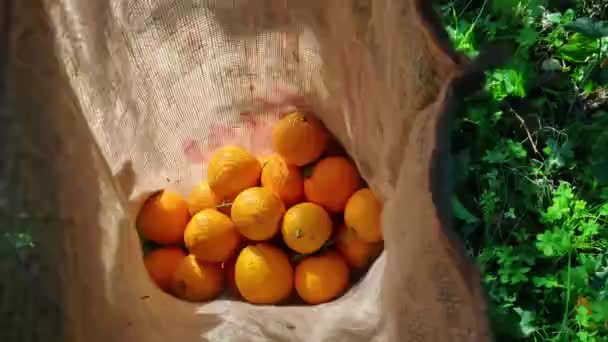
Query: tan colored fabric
124	97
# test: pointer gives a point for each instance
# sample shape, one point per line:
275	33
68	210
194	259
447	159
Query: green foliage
530	167
590	28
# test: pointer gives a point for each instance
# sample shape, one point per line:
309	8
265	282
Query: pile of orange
299	222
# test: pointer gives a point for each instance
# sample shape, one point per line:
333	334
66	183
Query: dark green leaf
462	213
589	27
578	48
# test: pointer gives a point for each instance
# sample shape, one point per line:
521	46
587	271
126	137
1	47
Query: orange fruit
202	197
163	218
357	253
299	138
362	214
283	179
256	213
161	263
231	170
333	180
306	227
211	236
319	279
196	280
263	274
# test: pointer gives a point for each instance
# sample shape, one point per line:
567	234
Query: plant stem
567	305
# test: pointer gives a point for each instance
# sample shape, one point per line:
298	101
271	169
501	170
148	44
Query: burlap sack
118	98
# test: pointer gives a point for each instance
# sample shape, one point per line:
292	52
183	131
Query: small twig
466	6
523	123
470	30
554	130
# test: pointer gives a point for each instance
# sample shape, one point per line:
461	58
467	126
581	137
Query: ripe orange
231	170
202	197
161	263
211	236
362	214
333	180
357	253
263	274
196	280
283	179
319	279
163	218
299	138
256	213
306	227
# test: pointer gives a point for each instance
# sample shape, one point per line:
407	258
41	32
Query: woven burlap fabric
119	98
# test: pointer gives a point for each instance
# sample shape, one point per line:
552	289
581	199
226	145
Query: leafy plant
531	167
